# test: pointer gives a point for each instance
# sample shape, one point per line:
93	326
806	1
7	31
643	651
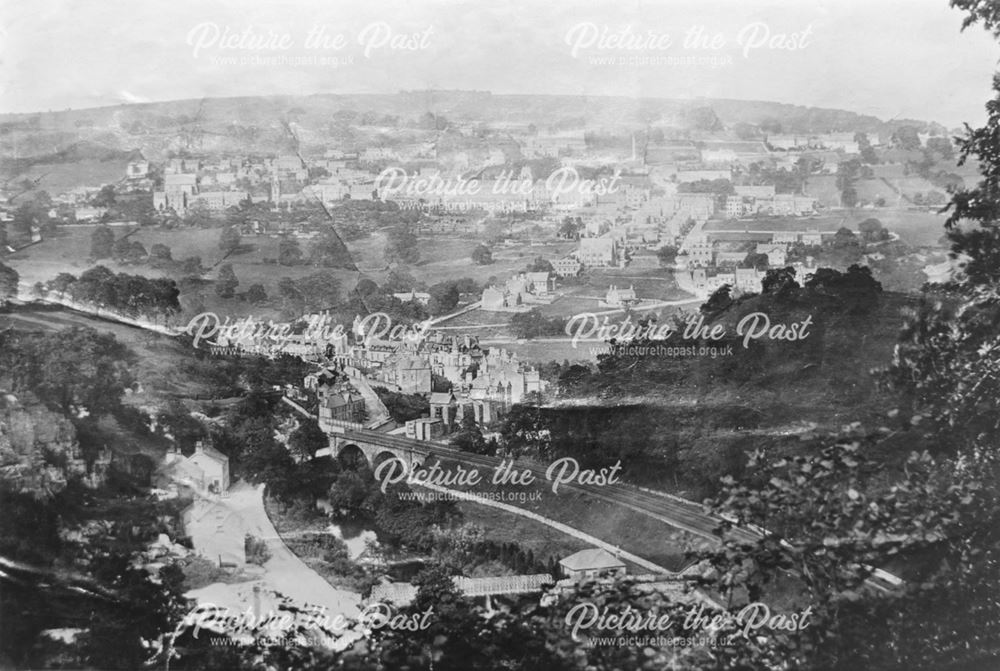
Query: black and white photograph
500	335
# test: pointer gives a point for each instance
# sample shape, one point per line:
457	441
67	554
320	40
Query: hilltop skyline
892	60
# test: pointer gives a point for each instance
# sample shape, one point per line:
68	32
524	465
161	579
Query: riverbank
306	532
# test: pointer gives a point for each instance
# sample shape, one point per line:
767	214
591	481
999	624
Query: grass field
922	229
61	177
441	258
916	227
69	252
504	527
826	222
633	531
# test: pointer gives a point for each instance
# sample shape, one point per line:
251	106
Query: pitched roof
591	559
211	453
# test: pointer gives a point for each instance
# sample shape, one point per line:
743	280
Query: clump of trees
226	281
533	324
9	280
131	295
401	245
482	256
74	368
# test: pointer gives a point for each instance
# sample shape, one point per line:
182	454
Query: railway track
671	510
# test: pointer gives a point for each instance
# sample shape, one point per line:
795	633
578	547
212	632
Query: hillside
258	124
701	415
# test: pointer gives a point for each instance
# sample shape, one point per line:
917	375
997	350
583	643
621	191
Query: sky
888	58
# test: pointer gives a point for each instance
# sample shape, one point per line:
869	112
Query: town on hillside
672	344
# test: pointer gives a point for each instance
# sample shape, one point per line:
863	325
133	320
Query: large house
215	466
619	298
591	563
776	253
407	373
749	280
519	290
413	295
568	267
597	252
340	402
207	470
178	192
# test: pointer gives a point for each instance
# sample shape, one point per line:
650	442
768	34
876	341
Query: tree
533	324
469	437
444	298
667	255
756	260
160	252
287	290
229	240
942	147
305	440
720	299
256	293
495	230
401	245
8	281
871	230
399	280
906	137
266	461
61	283
121	248
540	265
844	237
452	640
570	227
226	281
102	242
703	118
289	252
779	281
136	252
29	216
319	290
403	407
73	367
865	148
365	289
105	197
192	266
847	175
128	251
771	126
482	256
198	214
329	251
829	526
